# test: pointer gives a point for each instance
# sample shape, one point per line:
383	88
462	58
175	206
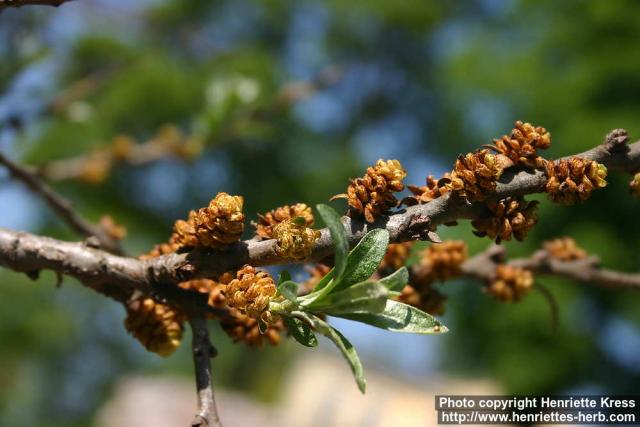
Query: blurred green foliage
423	82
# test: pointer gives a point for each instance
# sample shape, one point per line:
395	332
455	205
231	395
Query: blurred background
282	102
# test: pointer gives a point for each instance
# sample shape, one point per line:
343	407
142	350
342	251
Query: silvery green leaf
289	290
396	280
301	331
347	349
283	277
364	259
400	317
363	297
361	263
338	236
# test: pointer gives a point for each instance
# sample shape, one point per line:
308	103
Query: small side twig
61	206
203	351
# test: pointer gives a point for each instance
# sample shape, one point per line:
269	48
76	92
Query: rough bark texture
29	253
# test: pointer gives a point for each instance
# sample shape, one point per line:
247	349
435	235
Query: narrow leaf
289	290
338	236
347	349
300	331
364	259
397	280
364	297
400	317
361	263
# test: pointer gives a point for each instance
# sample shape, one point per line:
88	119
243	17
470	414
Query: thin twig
150	151
203	351
61	206
482	265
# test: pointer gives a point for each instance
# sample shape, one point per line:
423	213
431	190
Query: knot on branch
616	140
418	227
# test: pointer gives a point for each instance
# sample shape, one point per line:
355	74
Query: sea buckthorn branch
585	269
95	166
190	256
107	233
410	223
203	351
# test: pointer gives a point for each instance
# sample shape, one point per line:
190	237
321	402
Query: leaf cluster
351	291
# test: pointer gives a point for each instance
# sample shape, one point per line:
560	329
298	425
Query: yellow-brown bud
433	189
476	174
250	292
522	144
512	216
294	240
218	225
113	230
572	180
429	300
510	284
157	326
214	291
96	168
564	249
266	222
373	194
439	262
242	328
395	257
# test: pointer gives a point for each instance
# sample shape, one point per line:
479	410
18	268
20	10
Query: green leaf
363	297
364	259
339	238
347	349
397	280
300	331
289	290
361	263
283	277
400	317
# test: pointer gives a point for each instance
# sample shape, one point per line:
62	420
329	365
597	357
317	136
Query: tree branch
203	351
95	268
61	206
150	151
119	276
402	226
587	270
407	224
